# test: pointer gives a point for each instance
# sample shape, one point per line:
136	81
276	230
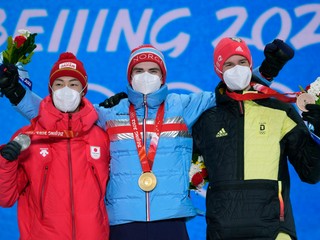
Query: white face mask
146	82
66	99
238	77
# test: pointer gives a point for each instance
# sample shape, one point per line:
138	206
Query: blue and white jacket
125	201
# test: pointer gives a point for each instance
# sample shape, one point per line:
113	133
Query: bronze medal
147	181
304	99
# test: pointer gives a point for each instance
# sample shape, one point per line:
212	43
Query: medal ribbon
48	133
266	93
60	134
146	159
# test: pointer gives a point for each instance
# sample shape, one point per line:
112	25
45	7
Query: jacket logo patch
95	152
222	133
262	128
44	152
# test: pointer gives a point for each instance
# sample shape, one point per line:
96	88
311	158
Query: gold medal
147	181
304	99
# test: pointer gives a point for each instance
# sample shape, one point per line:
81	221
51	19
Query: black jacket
245	146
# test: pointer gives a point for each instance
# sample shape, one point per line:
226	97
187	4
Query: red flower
19	40
204	173
196	179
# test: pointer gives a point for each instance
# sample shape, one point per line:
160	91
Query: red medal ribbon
59	134
146	159
266	93
49	133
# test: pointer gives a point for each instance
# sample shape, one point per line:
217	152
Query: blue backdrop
102	33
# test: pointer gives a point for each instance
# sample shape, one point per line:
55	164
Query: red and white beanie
69	66
146	53
228	47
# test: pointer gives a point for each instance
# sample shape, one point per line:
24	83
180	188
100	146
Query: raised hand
9	83
277	54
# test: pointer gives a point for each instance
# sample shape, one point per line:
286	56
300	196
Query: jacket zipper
241	107
145	142
44	180
96	177
71	182
281	202
241	155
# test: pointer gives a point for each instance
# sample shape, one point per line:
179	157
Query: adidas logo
239	49
222	133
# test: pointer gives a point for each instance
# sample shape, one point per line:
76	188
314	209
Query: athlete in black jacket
245	141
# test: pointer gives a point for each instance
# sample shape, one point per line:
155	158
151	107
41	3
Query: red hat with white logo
69	66
146	53
228	47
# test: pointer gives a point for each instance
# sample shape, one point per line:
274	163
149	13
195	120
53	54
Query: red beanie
146	53
228	47
69	66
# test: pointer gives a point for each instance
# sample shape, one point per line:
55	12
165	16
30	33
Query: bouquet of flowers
198	173
20	49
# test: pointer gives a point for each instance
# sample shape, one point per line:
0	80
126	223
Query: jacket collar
222	97
153	99
50	118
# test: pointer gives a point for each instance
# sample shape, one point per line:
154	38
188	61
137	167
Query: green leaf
302	89
8	52
27	59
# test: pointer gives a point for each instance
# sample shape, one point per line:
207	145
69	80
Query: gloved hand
313	117
9	83
113	100
277	54
11	151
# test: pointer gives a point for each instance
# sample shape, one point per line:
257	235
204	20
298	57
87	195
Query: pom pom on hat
69	66
146	53
226	48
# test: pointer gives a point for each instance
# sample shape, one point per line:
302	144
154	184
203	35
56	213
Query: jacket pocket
43	189
102	206
96	178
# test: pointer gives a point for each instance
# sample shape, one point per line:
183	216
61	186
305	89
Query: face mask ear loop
83	88
132	76
219	70
51	88
161	80
251	63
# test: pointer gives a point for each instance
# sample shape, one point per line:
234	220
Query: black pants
173	229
